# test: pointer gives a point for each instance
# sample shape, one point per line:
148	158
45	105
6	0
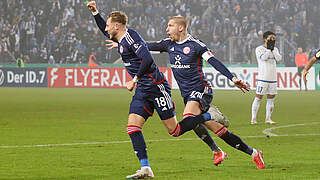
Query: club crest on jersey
186	50
121	49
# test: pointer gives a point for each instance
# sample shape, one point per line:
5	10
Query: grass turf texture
42	116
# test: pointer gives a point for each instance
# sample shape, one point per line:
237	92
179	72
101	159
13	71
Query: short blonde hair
119	17
180	20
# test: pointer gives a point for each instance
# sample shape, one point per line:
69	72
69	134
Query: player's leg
168	116
256	102
137	116
269	108
255	108
192	109
271	93
195	105
236	142
299	74
166	110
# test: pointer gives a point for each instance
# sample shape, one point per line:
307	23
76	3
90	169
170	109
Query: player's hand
130	85
92	6
270	44
111	44
305	73
240	84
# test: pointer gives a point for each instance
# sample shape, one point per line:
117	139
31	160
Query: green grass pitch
87	132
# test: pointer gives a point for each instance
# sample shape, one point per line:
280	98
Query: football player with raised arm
186	54
267	56
309	65
152	92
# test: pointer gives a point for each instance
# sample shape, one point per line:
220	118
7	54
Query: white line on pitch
121	142
269	133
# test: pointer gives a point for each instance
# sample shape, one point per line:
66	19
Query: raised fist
92	6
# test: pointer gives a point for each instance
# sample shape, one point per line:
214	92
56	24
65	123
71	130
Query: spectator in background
51	60
301	59
35	20
20	61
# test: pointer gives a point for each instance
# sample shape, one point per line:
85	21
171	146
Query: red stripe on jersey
164	78
200	106
154	80
147	111
204	82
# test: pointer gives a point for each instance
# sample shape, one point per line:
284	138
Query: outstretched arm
97	17
152	46
225	71
156	46
307	67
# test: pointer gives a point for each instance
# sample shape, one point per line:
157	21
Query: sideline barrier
115	77
23	77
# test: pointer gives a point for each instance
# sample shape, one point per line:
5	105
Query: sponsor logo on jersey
186	50
1	77
178	64
177	57
121	49
172	49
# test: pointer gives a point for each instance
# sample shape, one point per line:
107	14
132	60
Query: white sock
254	153
255	108
269	108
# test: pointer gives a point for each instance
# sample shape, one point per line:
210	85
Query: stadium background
231	28
71	133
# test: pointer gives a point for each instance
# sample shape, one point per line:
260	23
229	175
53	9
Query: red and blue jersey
186	62
136	57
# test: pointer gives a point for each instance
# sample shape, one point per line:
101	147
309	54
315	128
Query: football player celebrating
186	54
152	92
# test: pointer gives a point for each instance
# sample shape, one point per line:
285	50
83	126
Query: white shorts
266	88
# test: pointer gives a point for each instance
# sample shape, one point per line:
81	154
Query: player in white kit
267	55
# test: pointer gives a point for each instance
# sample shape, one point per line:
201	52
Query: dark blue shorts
144	103
204	96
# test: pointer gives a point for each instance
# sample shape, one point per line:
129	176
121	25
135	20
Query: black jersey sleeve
101	24
161	45
141	50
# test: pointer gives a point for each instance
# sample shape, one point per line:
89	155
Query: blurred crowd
64	31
